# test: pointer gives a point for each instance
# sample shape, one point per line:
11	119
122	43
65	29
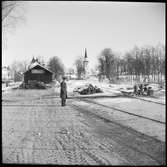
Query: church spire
86	53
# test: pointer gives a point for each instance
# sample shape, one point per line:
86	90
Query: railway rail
122	143
140	98
129	129
123	111
87	99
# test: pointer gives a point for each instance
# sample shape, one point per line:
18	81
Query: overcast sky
64	29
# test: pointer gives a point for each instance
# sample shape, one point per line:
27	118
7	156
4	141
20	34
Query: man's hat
64	77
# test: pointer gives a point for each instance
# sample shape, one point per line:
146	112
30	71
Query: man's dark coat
63	91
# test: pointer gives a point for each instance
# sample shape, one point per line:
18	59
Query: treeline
145	63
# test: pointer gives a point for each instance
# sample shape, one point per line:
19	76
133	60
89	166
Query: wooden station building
38	72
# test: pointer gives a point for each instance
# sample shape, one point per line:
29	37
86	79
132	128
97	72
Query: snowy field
154	111
107	88
113	89
10	86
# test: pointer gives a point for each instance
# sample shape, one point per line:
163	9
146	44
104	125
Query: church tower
85	64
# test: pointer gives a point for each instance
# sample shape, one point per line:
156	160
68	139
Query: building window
35	71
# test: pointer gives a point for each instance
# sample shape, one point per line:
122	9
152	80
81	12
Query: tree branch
7	14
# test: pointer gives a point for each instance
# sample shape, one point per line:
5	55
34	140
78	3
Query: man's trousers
63	101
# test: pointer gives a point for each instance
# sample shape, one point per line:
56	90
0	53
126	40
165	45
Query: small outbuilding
37	72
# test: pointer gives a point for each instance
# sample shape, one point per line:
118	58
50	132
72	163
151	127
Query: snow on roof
37	64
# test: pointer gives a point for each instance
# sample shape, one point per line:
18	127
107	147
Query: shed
39	73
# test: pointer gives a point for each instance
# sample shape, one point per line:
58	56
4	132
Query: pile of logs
87	89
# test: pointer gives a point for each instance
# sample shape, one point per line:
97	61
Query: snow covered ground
135	106
105	86
36	129
144	126
111	89
10	86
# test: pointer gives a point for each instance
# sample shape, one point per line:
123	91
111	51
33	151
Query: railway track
106	119
135	97
87	99
129	129
73	156
123	111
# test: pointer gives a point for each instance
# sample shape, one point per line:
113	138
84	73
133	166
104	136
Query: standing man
63	92
135	89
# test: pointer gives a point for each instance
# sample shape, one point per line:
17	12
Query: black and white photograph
83	83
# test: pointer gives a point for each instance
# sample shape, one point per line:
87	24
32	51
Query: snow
141	125
105	86
143	108
135	106
63	135
72	84
114	100
10	86
111	89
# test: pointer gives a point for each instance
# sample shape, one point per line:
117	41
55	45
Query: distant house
39	73
6	74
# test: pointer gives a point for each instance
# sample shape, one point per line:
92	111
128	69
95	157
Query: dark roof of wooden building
35	65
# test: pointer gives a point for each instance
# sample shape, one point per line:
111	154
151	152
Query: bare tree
18	67
161	59
56	66
25	64
137	64
108	64
145	62
40	60
79	67
12	12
